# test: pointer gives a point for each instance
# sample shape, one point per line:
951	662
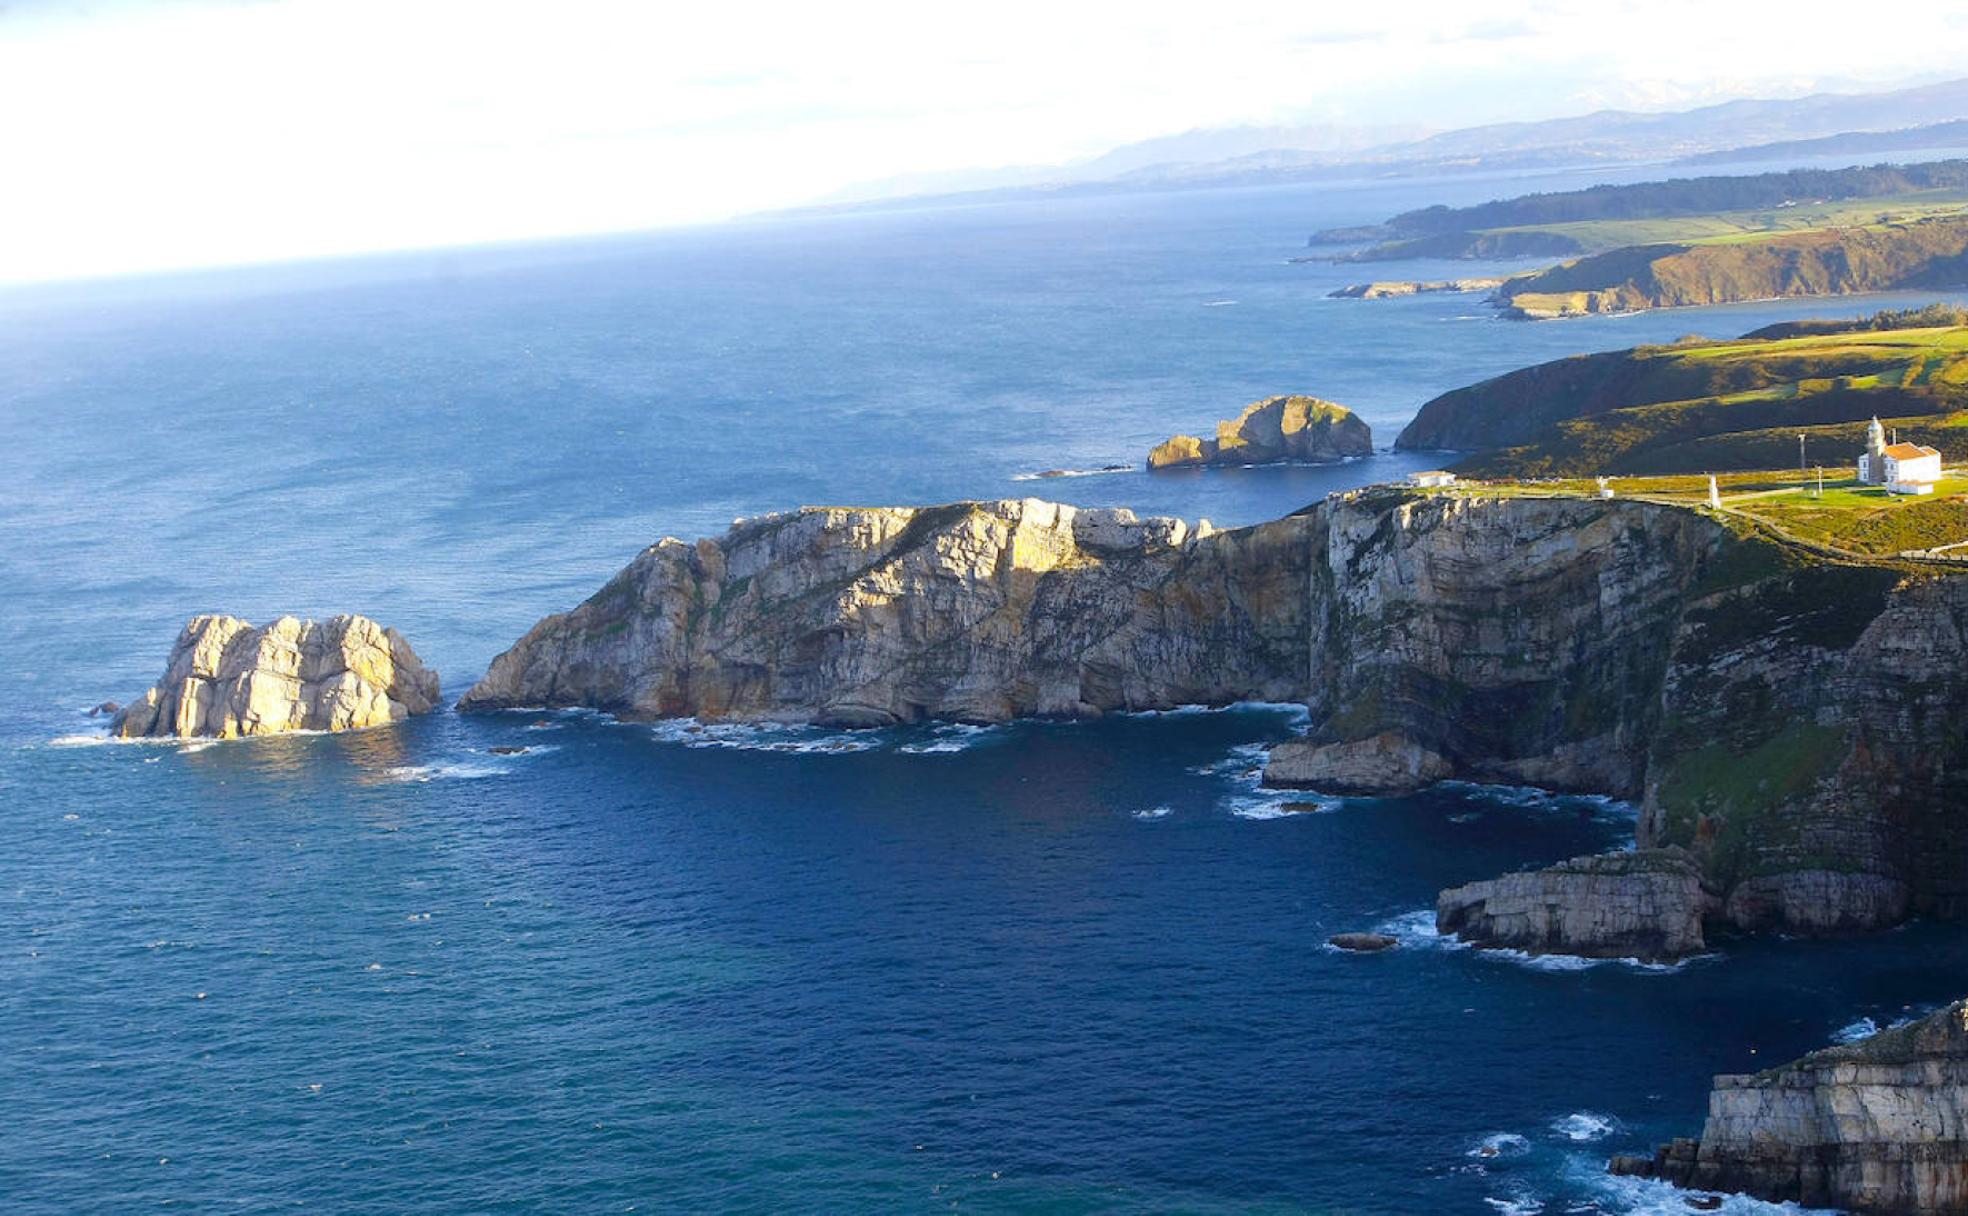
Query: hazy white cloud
187	133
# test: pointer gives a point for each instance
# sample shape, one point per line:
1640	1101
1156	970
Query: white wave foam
1500	1144
443	772
1583	1127
1531	797
1295	713
1652	1197
1279	804
1522	1203
1062	474
948	739
1417	929
1218	303
1154	812
90	740
762	737
1865	1028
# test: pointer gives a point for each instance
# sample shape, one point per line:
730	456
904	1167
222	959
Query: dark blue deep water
1041	968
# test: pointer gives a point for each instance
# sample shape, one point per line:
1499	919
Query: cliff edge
1879	1126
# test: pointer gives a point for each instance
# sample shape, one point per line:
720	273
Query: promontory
1786	719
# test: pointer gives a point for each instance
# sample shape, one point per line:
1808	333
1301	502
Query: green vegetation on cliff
1703	406
1888	253
1606	217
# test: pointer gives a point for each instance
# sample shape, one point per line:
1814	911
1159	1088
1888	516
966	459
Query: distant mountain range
1933	136
1823	123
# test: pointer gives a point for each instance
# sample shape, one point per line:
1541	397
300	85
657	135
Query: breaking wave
1583	1127
1417	930
1060	474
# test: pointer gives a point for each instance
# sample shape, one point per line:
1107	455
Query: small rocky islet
227	679
1272	431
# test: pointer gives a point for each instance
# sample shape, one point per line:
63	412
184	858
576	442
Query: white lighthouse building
1903	468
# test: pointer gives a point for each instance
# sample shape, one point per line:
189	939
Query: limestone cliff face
1879	1126
1270	431
973	611
1648	904
1789	721
1519	640
1832	261
226	678
1794	724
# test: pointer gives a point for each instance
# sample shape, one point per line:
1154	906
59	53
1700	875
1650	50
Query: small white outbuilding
1428	478
1911	468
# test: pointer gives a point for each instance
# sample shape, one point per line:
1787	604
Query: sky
183	133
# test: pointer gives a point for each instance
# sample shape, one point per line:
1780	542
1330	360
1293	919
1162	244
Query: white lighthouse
1903	468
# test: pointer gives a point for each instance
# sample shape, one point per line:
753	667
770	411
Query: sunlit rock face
226	678
977	611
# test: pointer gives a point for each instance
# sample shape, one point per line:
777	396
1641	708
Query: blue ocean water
1044	967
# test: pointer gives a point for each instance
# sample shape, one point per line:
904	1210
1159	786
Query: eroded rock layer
226	678
1879	1126
1648	904
975	611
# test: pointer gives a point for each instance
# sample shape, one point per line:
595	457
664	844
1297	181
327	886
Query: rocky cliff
1271	431
1649	904
1825	262
226	678
1793	723
974	611
1879	1126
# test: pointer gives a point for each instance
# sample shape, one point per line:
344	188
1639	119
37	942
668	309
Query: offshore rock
1363	943
227	678
975	611
1648	905
1878	1126
1272	431
1386	290
1383	764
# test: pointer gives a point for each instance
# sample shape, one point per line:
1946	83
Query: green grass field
1756	397
1859	519
1735	227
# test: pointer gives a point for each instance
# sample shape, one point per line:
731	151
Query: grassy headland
1701	406
1682	211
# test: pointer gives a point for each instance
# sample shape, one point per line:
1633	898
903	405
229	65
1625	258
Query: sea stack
1273	431
226	679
